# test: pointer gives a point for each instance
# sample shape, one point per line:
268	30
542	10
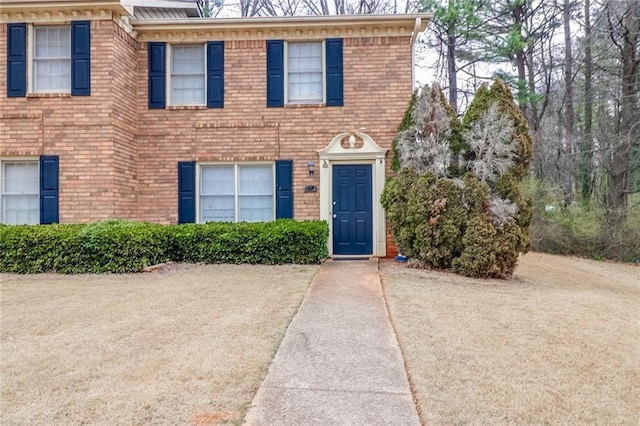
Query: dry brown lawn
185	345
557	344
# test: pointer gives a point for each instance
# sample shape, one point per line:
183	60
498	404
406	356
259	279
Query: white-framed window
20	192
187	74
50	58
305	72
239	192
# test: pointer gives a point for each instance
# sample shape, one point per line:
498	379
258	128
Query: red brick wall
377	87
392	249
125	122
96	172
119	159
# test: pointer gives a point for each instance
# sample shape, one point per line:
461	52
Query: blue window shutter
81	58
156	53
334	70
16	60
49	189
275	73
284	189
215	74
186	192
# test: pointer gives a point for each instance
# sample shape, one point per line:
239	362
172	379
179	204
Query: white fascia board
291	21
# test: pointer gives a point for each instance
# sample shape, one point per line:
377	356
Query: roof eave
280	22
29	6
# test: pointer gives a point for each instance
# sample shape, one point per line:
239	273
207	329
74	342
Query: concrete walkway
339	362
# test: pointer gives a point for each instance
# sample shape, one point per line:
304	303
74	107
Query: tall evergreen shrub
475	225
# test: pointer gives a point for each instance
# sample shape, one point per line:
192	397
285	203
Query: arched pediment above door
352	146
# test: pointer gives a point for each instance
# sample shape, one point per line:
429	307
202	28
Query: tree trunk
586	174
625	33
569	115
452	71
520	58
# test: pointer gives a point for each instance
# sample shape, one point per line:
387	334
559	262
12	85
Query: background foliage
575	67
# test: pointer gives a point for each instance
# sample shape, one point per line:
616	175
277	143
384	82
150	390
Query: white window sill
187	107
48	95
305	105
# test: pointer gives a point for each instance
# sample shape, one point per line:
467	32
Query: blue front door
352	207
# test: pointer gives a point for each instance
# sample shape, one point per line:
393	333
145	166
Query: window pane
294	50
188	59
52	59
216	180
187	90
20	193
255	200
255	180
187	75
217	198
21	178
52	42
305	56
316	49
255	208
305	87
217	208
305	72
52	74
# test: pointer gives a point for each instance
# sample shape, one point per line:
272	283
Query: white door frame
368	153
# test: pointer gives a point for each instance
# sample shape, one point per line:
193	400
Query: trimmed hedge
124	246
282	241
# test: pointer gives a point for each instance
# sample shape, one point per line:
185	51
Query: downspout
414	37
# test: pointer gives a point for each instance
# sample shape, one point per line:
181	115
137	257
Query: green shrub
395	198
439	220
31	249
583	232
110	246
489	250
123	246
447	223
282	241
584	229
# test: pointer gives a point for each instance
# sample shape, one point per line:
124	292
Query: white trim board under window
49	58
20	191
187	77
305	79
236	192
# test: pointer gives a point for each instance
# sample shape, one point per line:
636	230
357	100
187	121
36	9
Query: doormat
350	258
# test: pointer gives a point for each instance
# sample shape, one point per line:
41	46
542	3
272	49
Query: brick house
108	110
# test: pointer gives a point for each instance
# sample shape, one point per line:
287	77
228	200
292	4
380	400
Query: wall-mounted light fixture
311	168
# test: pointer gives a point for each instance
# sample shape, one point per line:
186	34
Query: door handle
335	215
